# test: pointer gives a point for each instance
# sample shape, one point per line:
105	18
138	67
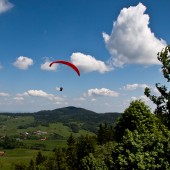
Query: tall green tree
60	159
91	163
71	153
84	146
31	165
20	166
40	158
71	140
163	101
142	141
9	143
104	134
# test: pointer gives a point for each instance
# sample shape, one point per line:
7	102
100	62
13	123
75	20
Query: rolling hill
68	119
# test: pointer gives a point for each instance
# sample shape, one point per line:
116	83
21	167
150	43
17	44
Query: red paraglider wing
67	63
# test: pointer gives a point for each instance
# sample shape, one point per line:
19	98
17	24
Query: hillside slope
75	119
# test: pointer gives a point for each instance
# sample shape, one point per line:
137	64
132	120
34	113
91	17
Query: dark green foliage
84	146
91	163
55	136
137	116
38	146
9	143
72	157
57	161
31	165
71	153
20	166
71	140
104	154
60	159
40	158
163	101
164	58
104	134
142	141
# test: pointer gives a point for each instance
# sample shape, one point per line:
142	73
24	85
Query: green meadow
17	156
15	125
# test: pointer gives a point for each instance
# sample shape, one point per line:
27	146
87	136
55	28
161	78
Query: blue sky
113	43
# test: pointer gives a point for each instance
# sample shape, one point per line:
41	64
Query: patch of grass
9	124
45	145
16	156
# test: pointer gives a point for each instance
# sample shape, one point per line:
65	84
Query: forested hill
73	117
71	114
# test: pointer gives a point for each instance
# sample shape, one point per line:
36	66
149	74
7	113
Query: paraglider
68	64
61	89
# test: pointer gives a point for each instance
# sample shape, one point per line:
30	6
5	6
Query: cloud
131	40
87	63
17	98
93	100
134	86
155	90
4	94
102	92
23	62
5	5
45	65
41	93
38	93
142	98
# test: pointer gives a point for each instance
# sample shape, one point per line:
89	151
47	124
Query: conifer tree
40	158
71	140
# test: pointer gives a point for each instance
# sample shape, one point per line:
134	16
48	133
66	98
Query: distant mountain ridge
75	113
73	117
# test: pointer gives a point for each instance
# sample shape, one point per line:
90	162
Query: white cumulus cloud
23	62
45	65
102	92
134	86
142	98
17	98
4	94
5	5
41	93
131	40
88	63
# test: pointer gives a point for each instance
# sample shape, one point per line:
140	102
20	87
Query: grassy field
16	156
46	145
9	125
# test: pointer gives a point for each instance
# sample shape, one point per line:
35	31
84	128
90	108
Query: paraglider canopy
68	64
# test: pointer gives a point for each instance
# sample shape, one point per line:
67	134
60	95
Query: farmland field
16	156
